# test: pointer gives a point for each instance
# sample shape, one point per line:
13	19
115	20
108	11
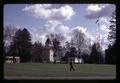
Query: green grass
58	70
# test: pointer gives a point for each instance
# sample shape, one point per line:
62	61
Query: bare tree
78	40
9	32
67	45
56	40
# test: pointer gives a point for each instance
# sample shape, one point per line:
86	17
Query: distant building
42	54
9	59
46	54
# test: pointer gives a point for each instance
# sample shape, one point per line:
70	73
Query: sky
42	19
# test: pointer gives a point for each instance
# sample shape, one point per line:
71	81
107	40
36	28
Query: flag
97	20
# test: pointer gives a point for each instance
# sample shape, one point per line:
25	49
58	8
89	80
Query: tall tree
96	54
48	42
56	44
112	28
8	33
78	40
55	40
110	54
25	45
111	51
21	45
14	47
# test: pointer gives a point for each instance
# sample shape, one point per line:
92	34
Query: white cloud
38	10
37	35
50	26
93	8
99	10
63	29
46	12
80	28
53	17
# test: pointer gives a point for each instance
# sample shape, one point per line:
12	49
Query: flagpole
98	30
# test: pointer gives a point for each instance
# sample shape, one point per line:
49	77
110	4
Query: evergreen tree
96	54
25	45
48	42
112	28
14	47
21	45
111	51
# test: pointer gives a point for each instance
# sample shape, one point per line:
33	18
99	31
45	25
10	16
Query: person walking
71	66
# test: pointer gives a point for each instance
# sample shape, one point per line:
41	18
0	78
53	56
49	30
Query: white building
9	59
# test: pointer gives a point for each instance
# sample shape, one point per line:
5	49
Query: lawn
49	70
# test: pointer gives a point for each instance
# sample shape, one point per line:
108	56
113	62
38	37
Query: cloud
53	19
45	11
63	29
99	10
38	10
93	8
50	26
37	35
80	28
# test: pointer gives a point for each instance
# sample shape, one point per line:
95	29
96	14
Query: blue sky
13	14
39	18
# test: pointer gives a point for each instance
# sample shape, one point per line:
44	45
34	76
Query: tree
85	58
67	45
8	33
110	54
55	41
36	52
79	42
112	28
52	37
72	54
96	54
21	45
48	42
111	51
13	51
56	44
78	39
38	44
25	45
